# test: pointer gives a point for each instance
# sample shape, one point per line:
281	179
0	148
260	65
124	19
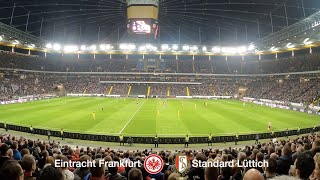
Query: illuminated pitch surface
141	117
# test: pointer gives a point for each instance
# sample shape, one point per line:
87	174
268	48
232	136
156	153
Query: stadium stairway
139	89
110	90
188	91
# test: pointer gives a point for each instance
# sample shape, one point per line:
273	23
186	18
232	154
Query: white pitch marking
132	117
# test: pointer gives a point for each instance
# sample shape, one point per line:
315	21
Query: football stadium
159	89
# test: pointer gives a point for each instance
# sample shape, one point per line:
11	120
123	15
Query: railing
162	140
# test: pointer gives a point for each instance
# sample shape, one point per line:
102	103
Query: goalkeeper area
147	117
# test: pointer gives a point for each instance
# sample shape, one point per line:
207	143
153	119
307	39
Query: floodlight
228	50
131	47
83	47
216	49
175	47
148	46
241	49
273	48
290	45
142	48
31	45
102	47
108	47
185	47
49	46
194	48
307	42
123	46
93	47
164	47
251	47
15	42
204	48
70	48
57	47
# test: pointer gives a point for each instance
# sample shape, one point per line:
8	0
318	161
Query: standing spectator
316	173
51	173
28	164
64	169
197	173
16	153
135	174
270	170
114	175
284	161
81	172
6	154
96	172
211	172
253	174
304	166
12	170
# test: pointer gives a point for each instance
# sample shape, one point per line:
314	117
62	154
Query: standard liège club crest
181	163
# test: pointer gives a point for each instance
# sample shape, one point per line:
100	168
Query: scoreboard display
143	18
142	26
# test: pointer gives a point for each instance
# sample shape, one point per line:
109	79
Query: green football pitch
146	117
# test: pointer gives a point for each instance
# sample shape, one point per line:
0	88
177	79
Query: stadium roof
198	21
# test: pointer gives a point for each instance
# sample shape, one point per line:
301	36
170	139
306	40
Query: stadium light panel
123	46
56	47
93	48
204	49
194	48
15	42
241	49
83	47
131	47
251	47
273	48
31	45
228	50
142	48
1	38
105	47
70	48
186	47
216	49
290	45
102	47
49	46
307	42
175	47
108	47
164	47
148	46
154	48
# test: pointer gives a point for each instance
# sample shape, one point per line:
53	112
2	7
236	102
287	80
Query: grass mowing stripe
132	117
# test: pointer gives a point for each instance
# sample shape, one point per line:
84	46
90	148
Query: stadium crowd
296	158
120	63
288	90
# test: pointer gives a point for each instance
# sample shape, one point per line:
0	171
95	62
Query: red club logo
153	164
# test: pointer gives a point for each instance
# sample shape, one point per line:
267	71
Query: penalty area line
131	117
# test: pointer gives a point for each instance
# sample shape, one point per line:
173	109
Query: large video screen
142	26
